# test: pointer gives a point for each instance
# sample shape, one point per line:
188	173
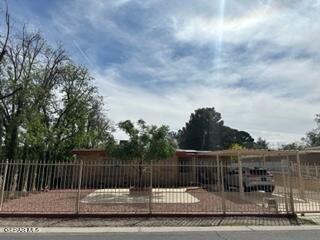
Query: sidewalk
311	217
158	222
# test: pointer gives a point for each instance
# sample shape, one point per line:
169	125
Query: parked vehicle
253	179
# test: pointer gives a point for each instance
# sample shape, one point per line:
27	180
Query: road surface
215	235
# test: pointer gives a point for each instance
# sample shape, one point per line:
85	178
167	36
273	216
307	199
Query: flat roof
248	152
90	150
229	152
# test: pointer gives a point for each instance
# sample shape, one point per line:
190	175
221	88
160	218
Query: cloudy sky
255	61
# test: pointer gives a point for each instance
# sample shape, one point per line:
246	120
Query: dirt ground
58	201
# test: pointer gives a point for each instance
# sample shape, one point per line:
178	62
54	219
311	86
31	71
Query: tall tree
4	39
146	143
206	131
292	146
51	105
231	137
312	138
261	144
18	73
203	131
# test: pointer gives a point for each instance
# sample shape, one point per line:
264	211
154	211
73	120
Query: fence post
79	186
150	195
218	185
4	183
301	184
222	187
264	161
241	188
308	171
284	180
290	186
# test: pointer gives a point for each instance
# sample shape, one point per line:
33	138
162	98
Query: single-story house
186	167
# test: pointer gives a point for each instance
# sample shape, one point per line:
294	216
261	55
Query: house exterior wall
183	169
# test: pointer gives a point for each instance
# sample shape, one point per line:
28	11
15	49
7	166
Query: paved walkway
153	222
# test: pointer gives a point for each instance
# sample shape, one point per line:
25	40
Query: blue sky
256	62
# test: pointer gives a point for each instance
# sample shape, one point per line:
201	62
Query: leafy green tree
232	137
203	131
312	138
261	144
146	143
292	146
206	131
48	104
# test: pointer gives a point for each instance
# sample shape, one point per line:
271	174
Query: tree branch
3	51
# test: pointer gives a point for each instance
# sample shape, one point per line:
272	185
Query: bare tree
6	38
3	51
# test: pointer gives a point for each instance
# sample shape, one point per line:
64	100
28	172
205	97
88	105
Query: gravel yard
64	201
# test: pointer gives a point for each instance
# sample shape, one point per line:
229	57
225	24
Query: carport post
150	196
4	180
284	180
241	188
264	161
79	186
290	164
218	174
301	184
222	187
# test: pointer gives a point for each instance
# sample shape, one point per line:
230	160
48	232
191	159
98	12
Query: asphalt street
216	235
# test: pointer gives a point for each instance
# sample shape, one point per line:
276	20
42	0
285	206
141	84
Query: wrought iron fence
202	186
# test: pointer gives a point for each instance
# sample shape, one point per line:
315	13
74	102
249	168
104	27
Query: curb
153	229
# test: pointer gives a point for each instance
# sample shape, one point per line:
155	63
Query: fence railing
213	186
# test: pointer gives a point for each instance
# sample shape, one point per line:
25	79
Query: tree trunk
1	133
11	141
1	180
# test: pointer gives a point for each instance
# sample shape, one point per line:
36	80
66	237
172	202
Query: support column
264	161
300	178
222	186
150	190
79	186
218	184
291	176
284	181
241	188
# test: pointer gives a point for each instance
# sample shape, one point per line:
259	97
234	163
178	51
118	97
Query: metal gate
202	187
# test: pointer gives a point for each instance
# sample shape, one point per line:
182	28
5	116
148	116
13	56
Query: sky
255	61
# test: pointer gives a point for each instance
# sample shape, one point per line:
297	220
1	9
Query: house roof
207	154
83	151
317	148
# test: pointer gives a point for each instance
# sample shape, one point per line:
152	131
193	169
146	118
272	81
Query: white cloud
278	120
204	29
272	97
287	23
